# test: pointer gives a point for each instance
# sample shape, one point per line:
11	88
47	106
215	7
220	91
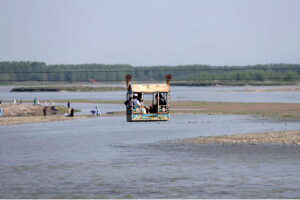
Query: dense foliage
39	71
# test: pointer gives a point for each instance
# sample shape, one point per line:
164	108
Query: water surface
110	158
215	94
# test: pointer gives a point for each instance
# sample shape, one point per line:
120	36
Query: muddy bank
278	111
24	113
286	111
284	137
14	110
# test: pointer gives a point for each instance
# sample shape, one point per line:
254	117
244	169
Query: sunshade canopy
150	88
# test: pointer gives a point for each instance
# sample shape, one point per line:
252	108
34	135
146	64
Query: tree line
40	71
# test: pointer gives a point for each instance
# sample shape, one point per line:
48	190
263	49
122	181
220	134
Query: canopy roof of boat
150	88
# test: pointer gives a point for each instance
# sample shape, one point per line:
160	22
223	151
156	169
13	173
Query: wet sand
286	111
278	111
284	137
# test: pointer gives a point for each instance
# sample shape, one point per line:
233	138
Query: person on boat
159	99
136	102
145	110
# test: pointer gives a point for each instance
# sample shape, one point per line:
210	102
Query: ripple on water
109	158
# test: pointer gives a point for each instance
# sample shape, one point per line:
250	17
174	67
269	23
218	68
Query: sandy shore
24	113
286	111
14	110
278	111
284	137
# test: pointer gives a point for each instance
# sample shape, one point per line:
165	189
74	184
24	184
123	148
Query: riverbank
283	137
24	113
278	111
18	110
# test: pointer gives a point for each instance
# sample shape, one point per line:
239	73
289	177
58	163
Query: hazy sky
150	32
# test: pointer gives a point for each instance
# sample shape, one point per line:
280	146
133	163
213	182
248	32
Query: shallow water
110	158
85	108
216	94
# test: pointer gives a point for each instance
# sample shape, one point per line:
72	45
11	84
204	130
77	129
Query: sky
150	32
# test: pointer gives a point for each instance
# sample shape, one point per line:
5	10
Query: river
106	157
178	93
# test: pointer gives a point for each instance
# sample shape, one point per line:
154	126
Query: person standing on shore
15	101
51	102
68	104
97	111
72	112
34	101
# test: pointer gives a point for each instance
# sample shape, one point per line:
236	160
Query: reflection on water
110	158
223	94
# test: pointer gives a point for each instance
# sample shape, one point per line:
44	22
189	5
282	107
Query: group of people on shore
37	102
96	111
15	102
51	105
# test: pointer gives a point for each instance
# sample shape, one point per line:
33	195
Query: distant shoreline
233	83
210	83
66	88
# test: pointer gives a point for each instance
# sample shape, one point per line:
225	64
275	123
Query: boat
136	108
